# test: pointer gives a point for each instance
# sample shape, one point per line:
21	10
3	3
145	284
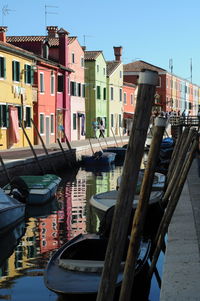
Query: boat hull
75	283
11	212
106	158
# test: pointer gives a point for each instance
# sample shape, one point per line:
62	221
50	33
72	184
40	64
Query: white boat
11	212
103	201
158	181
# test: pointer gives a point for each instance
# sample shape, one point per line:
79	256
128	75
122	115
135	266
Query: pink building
77	87
129	102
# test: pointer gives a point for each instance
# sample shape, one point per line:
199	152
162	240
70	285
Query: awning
128	115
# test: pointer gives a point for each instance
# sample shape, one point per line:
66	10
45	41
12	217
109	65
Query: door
47	130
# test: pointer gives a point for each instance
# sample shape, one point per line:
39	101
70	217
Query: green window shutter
13	70
7	115
25	73
1	117
32	76
4	67
74	121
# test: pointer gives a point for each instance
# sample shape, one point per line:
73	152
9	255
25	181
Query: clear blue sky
151	30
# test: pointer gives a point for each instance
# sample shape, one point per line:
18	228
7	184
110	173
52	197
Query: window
28	74
73	58
131	99
28	117
79	89
74	121
52	86
111	93
83	90
98	92
104	93
125	98
41	82
60	83
97	68
19	111
82	62
112	120
73	88
4	117
104	71
120	94
120	74
41	123
15	71
2	67
52	124
120	120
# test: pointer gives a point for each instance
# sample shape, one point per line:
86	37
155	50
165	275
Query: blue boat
119	151
11	212
99	159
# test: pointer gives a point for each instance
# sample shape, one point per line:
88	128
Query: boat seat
92	266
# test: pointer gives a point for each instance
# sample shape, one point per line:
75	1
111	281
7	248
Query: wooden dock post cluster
184	158
140	214
146	91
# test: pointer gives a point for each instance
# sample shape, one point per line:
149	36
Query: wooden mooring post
44	147
146	90
174	198
140	214
114	137
32	149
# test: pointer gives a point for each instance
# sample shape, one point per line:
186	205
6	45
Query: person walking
101	130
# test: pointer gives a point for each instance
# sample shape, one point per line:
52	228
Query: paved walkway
181	275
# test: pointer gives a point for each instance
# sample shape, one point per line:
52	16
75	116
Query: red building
52	110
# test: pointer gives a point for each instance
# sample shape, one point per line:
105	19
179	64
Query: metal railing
184	121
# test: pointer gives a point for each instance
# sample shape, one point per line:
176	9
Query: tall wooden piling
146	91
172	204
140	214
44	147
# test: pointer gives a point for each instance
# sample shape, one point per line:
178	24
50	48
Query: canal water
25	251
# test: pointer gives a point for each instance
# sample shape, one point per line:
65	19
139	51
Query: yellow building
16	94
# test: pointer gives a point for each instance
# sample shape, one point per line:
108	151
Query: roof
16	49
92	55
112	66
53	42
137	66
129	84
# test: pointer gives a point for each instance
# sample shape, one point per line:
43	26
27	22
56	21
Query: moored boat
34	190
75	269
158	181
120	152
99	158
11	212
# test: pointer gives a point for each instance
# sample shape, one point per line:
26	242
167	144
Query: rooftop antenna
5	11
171	65
49	12
191	70
84	38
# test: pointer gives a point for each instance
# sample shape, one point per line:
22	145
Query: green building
95	91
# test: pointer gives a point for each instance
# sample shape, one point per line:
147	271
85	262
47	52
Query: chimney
3	30
63	46
84	48
52	31
118	53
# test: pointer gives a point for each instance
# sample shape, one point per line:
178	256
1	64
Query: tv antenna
5	11
191	70
84	38
171	65
49	12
